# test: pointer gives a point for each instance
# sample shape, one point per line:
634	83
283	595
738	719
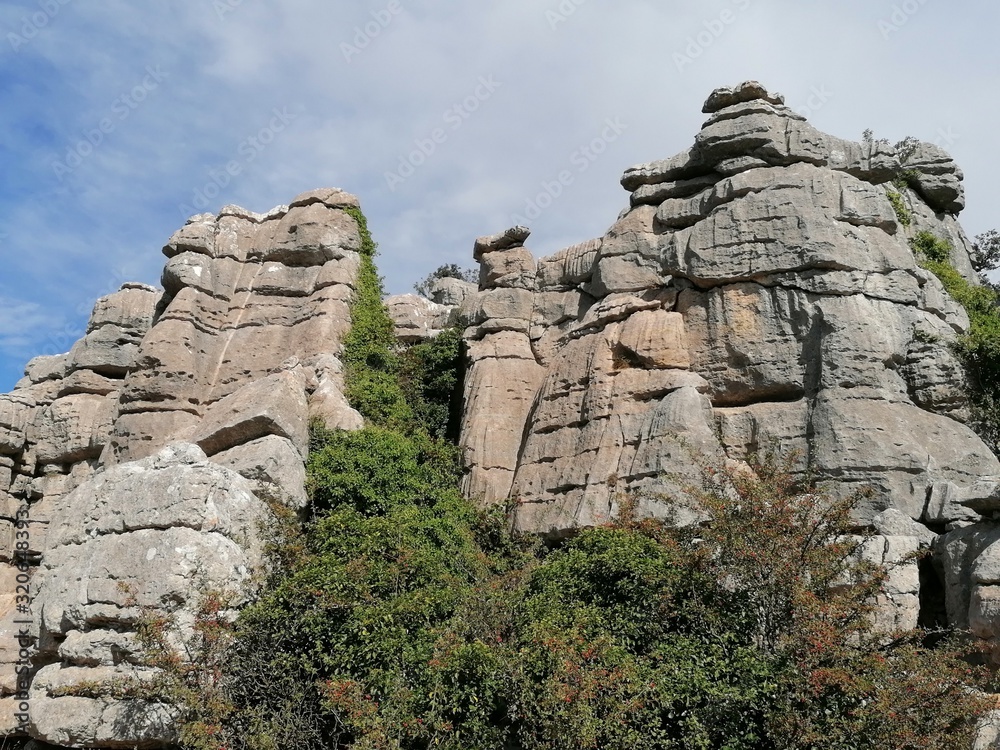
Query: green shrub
929	247
376	468
979	349
903	214
431	375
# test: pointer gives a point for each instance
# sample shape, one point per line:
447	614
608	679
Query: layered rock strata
758	293
143	457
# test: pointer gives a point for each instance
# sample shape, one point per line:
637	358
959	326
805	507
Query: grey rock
684	166
451	292
747	91
893	523
330	197
512	268
417	319
656	194
194	526
44	368
196	236
273	466
568	267
275	405
505	240
938	178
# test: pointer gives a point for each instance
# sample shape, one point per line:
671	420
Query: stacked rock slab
143	457
418	319
758	293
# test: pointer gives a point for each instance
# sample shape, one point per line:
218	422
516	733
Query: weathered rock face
757	294
139	460
156	533
419	319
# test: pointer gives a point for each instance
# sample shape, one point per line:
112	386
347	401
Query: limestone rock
117	326
417	319
194	526
759	294
88	722
47	368
327	401
509	238
746	92
275	405
938	178
568	267
451	292
273	466
330	197
513	268
245	292
237	352
498	395
72	429
684	166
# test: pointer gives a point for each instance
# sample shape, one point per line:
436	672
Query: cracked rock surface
144	454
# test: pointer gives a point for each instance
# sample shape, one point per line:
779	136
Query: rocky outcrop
154	534
758	294
418	319
141	459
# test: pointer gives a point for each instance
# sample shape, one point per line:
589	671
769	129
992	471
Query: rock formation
757	294
143	456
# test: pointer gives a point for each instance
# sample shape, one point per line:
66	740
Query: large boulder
155	535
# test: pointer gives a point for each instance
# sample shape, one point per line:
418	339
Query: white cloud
65	240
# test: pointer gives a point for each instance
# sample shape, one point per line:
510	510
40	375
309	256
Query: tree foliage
985	255
446	271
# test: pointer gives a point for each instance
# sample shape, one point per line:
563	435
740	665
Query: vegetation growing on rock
403	617
980	347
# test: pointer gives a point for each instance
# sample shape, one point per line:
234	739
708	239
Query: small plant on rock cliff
979	349
903	214
188	667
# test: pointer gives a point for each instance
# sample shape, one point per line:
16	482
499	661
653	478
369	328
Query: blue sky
448	119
